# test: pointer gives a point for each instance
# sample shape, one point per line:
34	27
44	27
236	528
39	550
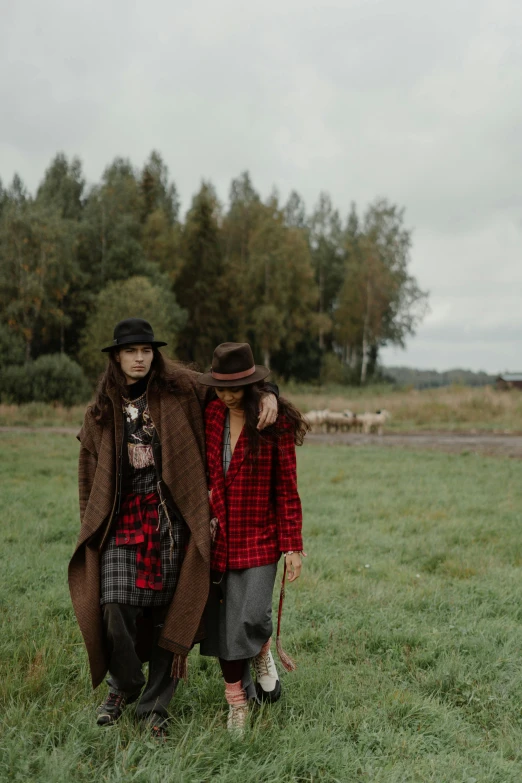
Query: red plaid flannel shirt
138	526
257	507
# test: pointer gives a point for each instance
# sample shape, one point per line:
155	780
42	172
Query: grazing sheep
373	422
351	418
338	422
316	419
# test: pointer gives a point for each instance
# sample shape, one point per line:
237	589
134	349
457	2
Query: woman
256	517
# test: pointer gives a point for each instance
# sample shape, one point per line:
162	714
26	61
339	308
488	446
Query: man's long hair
112	379
291	416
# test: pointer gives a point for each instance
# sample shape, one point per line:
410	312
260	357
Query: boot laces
237	716
264	665
114	701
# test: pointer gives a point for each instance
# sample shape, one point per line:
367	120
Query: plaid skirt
122	567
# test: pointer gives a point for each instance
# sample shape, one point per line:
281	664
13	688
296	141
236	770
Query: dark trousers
125	673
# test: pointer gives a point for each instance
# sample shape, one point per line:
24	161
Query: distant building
510	380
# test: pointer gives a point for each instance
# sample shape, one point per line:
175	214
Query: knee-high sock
235	693
232	670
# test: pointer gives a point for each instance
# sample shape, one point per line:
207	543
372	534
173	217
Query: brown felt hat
233	365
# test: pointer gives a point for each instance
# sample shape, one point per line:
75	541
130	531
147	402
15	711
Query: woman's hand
268	411
293	565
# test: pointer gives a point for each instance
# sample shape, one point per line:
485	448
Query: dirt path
455	443
452	442
56	430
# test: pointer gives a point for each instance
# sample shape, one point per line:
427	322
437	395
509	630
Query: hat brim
134	339
207	379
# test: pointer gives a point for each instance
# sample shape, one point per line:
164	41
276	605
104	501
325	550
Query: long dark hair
113	379
287	412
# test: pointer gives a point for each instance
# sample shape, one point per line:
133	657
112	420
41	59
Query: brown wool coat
178	417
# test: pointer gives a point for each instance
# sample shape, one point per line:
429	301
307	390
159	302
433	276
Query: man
139	576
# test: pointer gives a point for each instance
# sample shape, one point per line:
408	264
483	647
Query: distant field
407	627
448	408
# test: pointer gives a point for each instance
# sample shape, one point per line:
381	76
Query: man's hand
268	411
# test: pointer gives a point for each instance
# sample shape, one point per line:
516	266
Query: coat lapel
183	464
237	458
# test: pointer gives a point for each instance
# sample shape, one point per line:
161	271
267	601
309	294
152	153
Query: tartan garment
256	504
140	564
138	525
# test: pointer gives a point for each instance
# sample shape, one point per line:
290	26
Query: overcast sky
417	101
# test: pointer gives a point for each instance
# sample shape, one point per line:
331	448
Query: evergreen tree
295	211
160	208
62	187
157	191
328	262
199	286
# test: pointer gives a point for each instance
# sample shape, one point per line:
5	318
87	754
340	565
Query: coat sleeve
205	394
88	462
288	503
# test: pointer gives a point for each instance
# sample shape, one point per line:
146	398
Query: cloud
415	101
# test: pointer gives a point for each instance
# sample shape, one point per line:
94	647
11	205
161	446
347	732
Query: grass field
448	408
407	627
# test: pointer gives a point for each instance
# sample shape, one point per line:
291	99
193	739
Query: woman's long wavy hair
251	402
161	377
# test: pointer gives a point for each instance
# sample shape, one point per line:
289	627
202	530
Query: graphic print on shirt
140	431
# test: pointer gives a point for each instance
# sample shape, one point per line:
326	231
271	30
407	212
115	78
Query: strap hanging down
288	663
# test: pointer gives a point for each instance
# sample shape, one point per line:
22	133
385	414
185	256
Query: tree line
317	295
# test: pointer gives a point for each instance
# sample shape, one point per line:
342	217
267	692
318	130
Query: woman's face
232	396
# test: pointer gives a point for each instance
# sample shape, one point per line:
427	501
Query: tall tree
295	211
111	232
198	286
37	267
242	218
380	302
280	283
156	189
136	297
160	209
17	194
326	242
62	187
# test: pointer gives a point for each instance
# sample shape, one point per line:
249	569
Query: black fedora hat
133	331
233	365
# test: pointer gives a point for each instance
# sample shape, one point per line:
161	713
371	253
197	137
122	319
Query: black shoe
269	696
156	725
111	709
159	732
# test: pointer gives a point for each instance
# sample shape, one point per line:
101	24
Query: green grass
406	626
451	408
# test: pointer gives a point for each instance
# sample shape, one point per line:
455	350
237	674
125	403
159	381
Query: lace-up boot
237	708
237	719
268	684
111	710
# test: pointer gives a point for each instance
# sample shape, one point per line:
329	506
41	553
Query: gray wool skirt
238	614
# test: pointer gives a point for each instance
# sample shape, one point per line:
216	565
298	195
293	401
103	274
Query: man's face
135	361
